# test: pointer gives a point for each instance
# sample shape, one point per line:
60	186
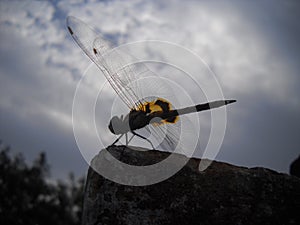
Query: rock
221	194
295	167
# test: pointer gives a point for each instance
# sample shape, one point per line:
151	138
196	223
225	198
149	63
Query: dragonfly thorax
136	119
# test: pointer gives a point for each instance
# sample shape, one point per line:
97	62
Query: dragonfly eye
115	125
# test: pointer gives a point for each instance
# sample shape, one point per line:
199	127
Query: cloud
37	86
251	46
219	32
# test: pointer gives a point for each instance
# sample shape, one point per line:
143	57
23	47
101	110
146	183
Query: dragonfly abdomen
191	109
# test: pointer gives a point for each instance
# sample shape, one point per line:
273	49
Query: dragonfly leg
117	139
124	147
126	138
131	138
143	138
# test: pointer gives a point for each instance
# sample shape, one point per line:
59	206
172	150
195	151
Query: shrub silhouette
28	196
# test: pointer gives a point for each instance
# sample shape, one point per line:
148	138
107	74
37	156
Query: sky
251	46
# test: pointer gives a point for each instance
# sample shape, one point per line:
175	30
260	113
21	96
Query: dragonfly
143	112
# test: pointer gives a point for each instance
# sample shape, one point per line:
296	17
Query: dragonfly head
116	125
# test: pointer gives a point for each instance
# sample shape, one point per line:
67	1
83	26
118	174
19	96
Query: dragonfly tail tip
229	101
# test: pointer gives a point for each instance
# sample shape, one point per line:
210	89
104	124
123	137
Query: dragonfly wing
180	137
167	135
85	37
126	78
120	71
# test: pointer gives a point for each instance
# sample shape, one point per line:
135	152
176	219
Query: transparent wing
124	73
86	37
83	35
177	137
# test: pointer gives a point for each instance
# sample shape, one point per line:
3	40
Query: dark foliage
29	196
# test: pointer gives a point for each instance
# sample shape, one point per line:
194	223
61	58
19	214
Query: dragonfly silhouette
157	111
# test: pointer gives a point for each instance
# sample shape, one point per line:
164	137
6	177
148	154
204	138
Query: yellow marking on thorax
154	106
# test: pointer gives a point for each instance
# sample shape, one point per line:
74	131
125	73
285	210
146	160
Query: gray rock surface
222	194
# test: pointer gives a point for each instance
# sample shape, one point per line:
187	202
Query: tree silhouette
29	196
